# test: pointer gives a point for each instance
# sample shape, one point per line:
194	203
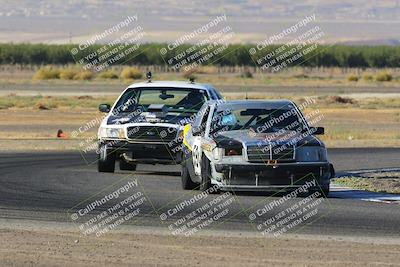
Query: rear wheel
205	174
126	166
106	160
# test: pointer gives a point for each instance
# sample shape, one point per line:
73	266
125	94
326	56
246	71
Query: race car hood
251	138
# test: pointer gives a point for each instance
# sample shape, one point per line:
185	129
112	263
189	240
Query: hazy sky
74	20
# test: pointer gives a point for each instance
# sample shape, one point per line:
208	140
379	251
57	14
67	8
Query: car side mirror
318	130
104	108
196	130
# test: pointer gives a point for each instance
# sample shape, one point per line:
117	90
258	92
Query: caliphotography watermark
203	45
114	45
198	212
292	210
108	209
287	131
289	47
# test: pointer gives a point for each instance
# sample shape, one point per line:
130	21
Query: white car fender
193	143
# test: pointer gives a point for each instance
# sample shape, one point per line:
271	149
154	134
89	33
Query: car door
200	123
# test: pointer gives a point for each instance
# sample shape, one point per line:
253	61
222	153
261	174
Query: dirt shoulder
383	182
45	245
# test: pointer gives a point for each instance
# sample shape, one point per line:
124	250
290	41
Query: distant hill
272	9
59	21
391	42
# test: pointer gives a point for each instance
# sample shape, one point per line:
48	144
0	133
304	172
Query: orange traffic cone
61	134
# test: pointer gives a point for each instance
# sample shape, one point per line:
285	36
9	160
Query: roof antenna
148	75
191	79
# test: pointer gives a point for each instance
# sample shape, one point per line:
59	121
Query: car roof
256	103
176	84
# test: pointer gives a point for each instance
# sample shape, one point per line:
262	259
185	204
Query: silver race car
254	146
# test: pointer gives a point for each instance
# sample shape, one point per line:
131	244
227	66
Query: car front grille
151	133
258	154
295	175
265	153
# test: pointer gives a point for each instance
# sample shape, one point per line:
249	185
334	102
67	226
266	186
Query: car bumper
278	177
252	188
151	153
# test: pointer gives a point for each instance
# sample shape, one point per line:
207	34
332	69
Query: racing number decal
196	152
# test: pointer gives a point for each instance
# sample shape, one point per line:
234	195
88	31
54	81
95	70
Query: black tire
126	166
323	192
187	183
332	171
106	161
205	174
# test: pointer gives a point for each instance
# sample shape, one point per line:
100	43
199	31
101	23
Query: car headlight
111	132
311	153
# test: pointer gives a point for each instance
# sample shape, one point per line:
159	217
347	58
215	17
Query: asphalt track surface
53	186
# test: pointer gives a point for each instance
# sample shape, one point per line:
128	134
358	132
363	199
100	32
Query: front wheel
126	166
325	192
187	183
205	174
106	160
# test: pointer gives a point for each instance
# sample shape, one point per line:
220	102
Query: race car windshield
175	99
257	119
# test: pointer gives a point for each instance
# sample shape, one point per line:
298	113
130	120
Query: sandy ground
25	129
50	244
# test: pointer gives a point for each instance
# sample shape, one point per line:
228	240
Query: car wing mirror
104	108
318	130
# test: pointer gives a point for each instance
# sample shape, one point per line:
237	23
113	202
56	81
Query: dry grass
131	73
356	124
384	77
353	78
84	75
47	73
68	74
219	76
108	74
368	77
383	182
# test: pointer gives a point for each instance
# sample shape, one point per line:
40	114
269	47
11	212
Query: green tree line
233	55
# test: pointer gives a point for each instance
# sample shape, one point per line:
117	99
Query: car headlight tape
310	154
